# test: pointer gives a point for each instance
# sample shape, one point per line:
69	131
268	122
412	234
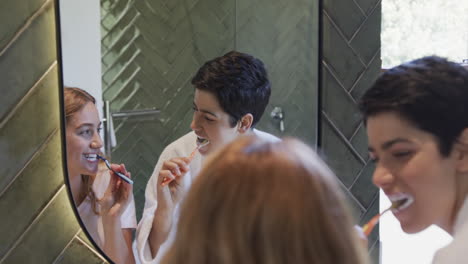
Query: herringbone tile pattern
351	62
151	49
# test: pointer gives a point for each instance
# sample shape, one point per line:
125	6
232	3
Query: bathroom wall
151	50
38	224
351	62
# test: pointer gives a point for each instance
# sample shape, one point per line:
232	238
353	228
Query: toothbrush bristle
399	203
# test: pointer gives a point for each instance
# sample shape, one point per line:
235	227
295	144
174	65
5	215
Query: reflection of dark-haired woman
417	123
105	202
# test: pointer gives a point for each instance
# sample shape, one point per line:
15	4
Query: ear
245	123
462	148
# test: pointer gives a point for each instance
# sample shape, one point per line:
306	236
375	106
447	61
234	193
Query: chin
90	171
412	228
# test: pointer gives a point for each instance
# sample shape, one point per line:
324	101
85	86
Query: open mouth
401	202
91	157
201	142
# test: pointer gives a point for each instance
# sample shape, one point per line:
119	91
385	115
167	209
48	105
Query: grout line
129	26
35	220
66	246
365	20
117	21
343	36
360	8
356	130
22	101
343	137
337	79
34	155
25	26
76	237
374	57
89	247
352	197
361	171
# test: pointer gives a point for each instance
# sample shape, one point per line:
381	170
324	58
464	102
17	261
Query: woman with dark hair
104	201
231	93
259	202
417	123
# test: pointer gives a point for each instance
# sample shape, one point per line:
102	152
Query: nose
97	141
382	177
195	124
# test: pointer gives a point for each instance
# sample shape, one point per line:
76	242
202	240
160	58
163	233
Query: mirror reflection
141	60
104	201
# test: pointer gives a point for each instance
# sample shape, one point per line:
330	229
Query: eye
373	158
86	132
194	108
208	119
402	154
99	129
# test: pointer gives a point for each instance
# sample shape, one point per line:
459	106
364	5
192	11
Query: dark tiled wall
37	222
351	62
151	50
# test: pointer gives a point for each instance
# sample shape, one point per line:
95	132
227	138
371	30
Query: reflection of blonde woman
103	201
259	202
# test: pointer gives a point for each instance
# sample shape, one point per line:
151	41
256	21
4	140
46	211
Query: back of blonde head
259	202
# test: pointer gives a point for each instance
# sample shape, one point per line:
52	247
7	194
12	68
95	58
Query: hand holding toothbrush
118	193
173	172
166	180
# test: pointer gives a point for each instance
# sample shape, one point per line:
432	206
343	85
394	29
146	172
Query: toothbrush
203	143
367	228
121	175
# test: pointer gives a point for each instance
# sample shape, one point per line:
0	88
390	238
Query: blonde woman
263	202
105	202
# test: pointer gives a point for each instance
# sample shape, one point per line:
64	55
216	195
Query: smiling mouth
91	157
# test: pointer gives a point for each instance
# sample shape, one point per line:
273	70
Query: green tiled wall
151	50
38	224
350	63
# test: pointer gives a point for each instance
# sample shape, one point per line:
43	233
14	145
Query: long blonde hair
256	202
74	100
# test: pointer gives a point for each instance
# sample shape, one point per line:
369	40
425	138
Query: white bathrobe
182	147
457	250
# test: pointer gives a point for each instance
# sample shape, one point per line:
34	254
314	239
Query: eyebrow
388	144
204	111
88	124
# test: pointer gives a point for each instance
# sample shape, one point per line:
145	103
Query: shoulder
265	135
455	250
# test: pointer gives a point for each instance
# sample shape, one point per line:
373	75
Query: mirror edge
63	133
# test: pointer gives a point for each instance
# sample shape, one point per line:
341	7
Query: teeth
401	201
406	203
91	157
202	141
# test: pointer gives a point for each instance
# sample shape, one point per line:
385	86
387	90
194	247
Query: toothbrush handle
367	228
123	177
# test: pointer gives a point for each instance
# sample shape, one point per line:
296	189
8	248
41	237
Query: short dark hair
430	92
240	83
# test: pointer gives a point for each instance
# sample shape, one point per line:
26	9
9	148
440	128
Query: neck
461	194
75	186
